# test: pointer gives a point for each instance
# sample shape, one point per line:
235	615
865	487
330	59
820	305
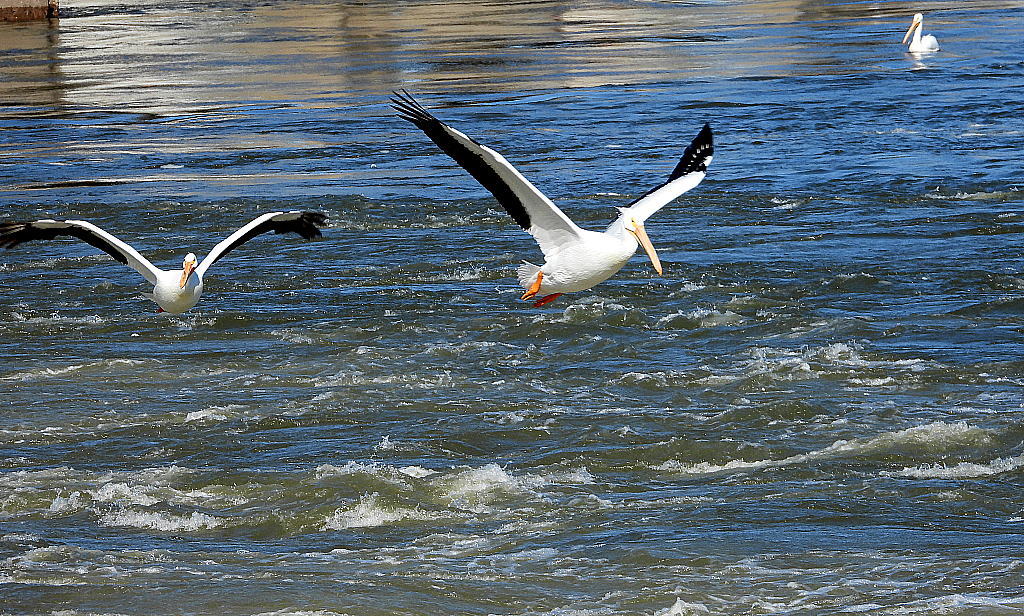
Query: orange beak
640	234
913	25
187	270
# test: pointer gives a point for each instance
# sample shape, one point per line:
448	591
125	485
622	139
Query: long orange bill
186	272
641	236
906	37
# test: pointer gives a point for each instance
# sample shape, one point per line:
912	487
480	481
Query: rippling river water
817	409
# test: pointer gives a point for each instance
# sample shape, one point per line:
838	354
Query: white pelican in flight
575	258
175	291
920	44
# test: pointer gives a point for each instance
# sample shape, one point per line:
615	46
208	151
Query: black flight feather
693	159
305	224
696	153
440	133
14	233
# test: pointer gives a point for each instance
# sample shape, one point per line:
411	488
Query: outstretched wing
521	199
688	174
14	233
305	224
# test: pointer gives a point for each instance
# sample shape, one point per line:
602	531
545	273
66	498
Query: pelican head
916	23
636	229
187	267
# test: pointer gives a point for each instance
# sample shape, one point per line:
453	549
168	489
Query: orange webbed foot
547	299
534	287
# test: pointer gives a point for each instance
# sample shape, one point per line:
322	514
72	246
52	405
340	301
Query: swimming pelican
920	44
175	291
575	258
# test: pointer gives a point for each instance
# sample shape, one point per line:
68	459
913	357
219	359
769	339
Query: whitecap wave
683	608
963	470
65	491
963	604
476	488
700	318
213	414
161	521
371	512
934	438
38	374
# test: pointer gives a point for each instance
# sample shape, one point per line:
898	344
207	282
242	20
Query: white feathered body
579	265
173	298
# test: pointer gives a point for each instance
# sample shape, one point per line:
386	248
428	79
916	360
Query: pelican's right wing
521	199
690	171
14	233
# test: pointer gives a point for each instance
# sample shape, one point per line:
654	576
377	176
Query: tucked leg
547	299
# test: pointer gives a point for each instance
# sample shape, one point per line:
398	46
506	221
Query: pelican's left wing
521	199
688	173
14	233
304	223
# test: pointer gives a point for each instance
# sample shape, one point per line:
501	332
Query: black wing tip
314	218
307	224
408	108
700	149
13	233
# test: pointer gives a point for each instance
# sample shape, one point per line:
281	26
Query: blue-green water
817	409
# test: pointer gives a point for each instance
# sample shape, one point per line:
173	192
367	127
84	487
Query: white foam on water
190	322
103	366
457	275
349	378
590	308
370	512
456	349
962	604
475	489
295	336
683	608
379	472
213	414
840	360
56	318
117	497
963	470
485	489
293	612
702	318
783	365
125	494
161	521
936	437
417	472
788	203
385	444
63	505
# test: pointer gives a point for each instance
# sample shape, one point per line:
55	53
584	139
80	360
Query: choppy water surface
817	409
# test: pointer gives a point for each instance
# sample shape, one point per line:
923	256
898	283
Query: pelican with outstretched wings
575	258
175	291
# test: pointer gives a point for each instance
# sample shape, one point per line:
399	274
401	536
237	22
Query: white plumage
920	44
575	258
175	291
